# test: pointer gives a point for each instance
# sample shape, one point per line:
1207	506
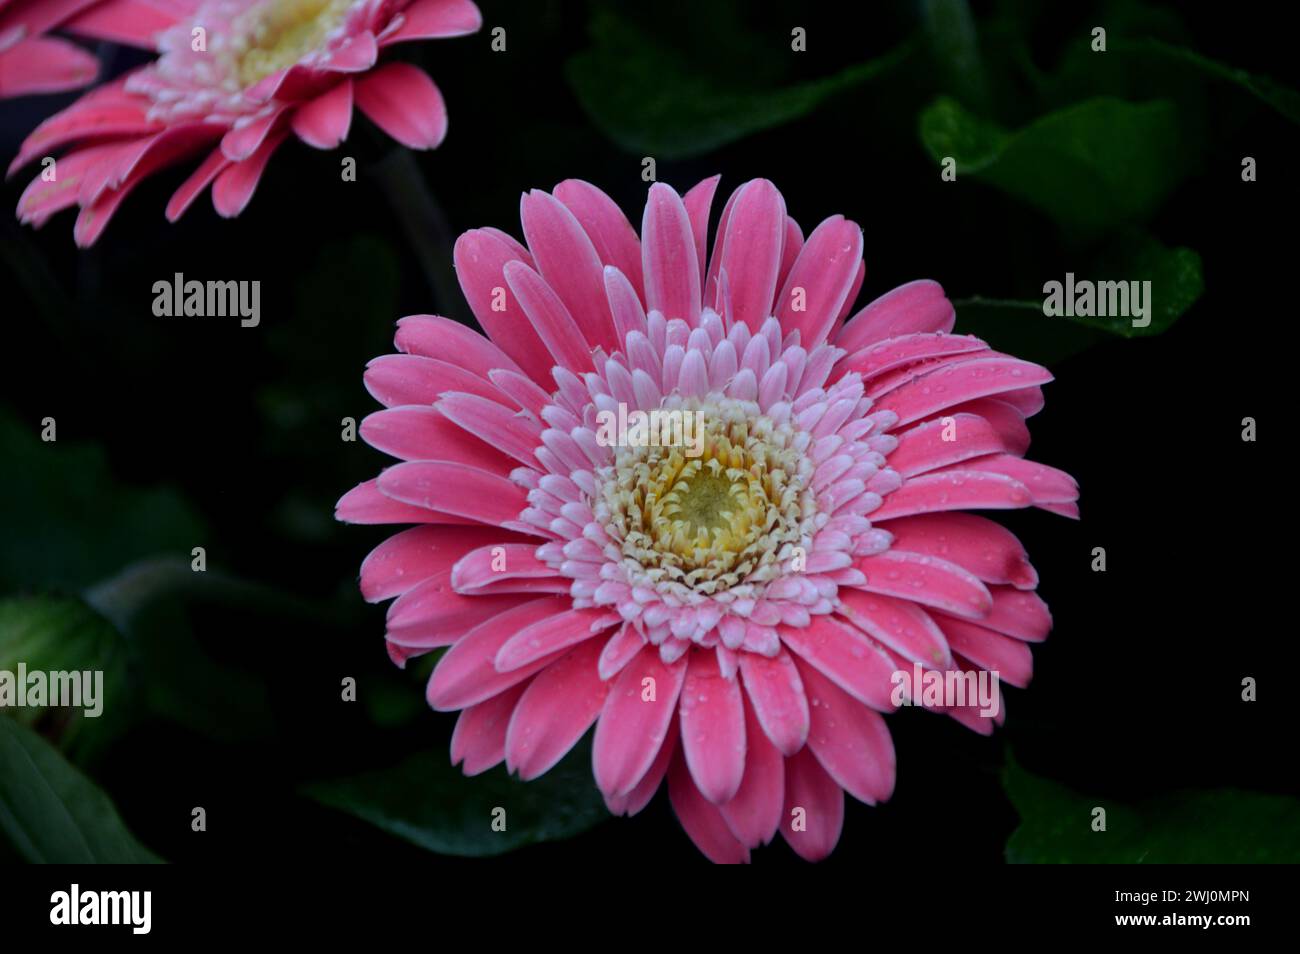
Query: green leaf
153	603
954	43
1019	327
1283	99
428	802
51	813
66	521
1223	826
1174	273
655	100
63	634
1091	166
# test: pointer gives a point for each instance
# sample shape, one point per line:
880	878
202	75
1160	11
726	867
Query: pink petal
701	820
610	232
242	141
553	634
789	251
433	336
455	489
712	714
521	390
847	656
815	803
641	794
620	650
942	442
193	187
433	614
1048	485
416	432
476	571
400	655
357	54
632	726
435	19
898	624
234	187
107	111
479	256
1017	613
414	555
916	306
549	318
954	383
466	674
1010	658
925	579
364	503
130	169
494	425
624	305
751	251
755	813
669	256
895	353
776	692
849	300
394	379
42	199
1006	420
40	64
558	707
479	739
128	22
942	491
985	548
713	280
850	741
822	276
324	121
403	101
568	262
698	201
1028	401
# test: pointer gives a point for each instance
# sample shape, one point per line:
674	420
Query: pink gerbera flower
234	79
731	621
33	62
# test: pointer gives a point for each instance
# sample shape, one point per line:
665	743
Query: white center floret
734	515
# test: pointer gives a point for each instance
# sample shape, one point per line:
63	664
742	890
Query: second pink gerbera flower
233	80
731	621
32	61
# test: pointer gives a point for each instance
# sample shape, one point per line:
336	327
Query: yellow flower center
710	522
277	34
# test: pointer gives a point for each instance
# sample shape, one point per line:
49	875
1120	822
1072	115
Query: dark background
1136	693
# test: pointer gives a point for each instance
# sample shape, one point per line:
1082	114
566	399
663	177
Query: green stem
122	597
426	228
979	301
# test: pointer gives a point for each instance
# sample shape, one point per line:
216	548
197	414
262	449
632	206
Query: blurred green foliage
1223	826
1087	149
57	529
63	634
53	814
428	802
